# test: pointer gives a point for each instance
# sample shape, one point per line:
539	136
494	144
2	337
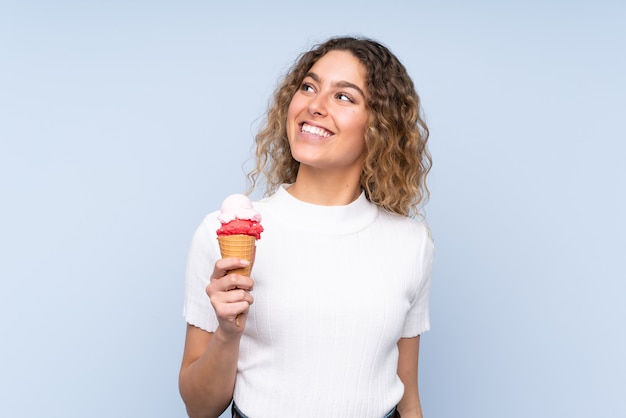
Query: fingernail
244	262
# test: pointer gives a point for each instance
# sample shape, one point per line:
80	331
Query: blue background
123	123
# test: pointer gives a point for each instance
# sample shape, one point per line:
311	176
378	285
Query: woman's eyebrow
342	84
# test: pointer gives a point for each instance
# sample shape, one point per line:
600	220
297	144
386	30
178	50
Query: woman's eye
306	87
344	97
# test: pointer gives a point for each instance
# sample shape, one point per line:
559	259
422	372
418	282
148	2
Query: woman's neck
325	189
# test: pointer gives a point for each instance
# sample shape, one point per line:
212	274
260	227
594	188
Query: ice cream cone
239	230
240	246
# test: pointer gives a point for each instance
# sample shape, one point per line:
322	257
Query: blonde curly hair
397	159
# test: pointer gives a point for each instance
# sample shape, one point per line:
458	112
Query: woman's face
327	116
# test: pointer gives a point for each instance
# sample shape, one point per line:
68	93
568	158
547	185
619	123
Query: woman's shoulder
411	224
211	218
209	226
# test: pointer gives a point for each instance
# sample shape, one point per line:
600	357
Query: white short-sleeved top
335	288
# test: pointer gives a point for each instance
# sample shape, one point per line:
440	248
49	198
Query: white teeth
315	130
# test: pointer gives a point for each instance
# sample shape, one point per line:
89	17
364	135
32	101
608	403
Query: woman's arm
209	366
409	406
207	374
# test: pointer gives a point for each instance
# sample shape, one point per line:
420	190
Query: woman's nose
317	105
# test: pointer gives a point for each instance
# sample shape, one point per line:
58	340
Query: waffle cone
240	246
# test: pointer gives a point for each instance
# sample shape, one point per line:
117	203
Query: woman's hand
230	295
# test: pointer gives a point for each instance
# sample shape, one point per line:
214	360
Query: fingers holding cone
229	291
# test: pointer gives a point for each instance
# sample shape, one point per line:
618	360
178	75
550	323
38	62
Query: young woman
330	322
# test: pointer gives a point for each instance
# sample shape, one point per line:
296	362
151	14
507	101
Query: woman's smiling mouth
315	130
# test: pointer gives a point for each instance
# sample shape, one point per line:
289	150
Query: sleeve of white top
418	318
203	253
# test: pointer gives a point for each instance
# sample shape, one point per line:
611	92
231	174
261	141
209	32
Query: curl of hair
397	159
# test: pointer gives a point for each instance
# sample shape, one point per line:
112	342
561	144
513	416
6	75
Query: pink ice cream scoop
239	218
